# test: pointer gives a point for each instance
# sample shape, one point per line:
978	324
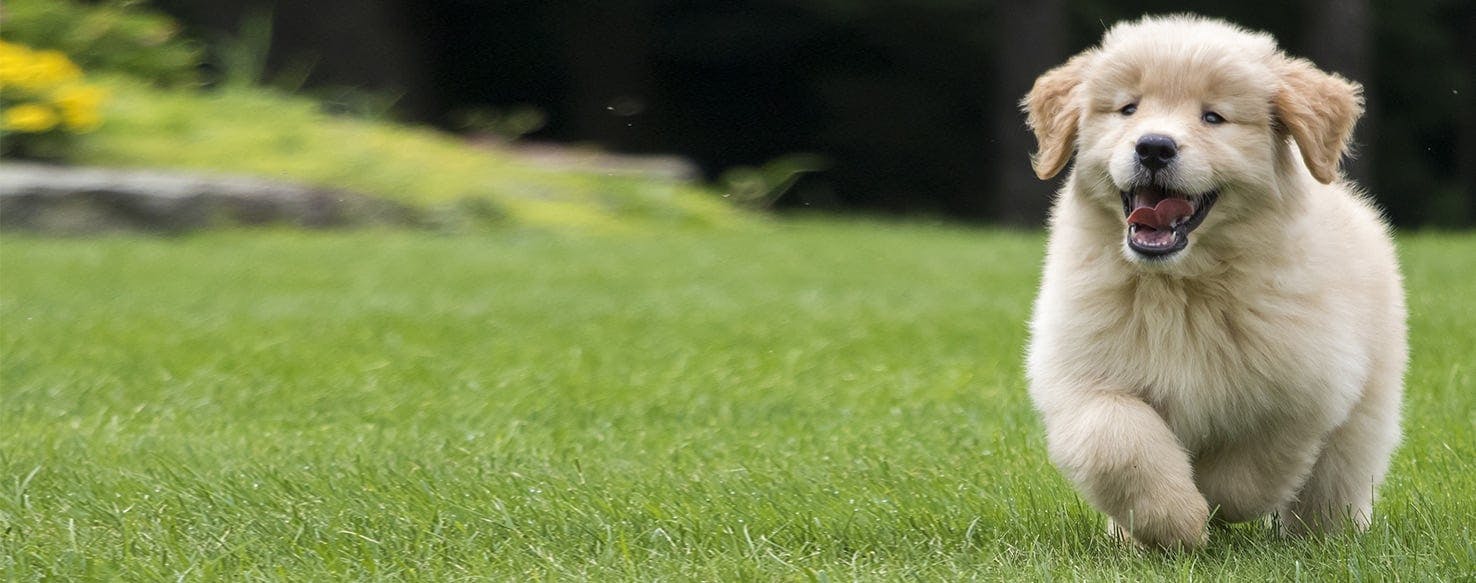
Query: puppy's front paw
1165	525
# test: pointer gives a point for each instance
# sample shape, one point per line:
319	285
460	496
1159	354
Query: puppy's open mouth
1160	220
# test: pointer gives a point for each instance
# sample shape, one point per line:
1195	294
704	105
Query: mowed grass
803	402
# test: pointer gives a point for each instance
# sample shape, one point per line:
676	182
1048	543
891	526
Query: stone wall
72	200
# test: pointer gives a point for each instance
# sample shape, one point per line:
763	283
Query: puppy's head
1183	125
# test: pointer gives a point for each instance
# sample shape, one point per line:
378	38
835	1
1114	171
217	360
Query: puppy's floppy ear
1319	110
1052	108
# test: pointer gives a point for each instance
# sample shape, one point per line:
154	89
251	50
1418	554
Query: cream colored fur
1257	371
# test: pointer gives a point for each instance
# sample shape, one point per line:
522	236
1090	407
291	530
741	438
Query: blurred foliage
912	103
44	100
905	101
761	186
506	124
159	115
242	57
122	36
258	131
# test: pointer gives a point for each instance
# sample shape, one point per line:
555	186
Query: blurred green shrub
123	36
242	57
261	132
759	187
507	124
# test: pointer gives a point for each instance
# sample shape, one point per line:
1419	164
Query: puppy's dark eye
1129	109
1212	118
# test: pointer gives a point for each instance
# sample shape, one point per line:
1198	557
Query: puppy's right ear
1052	108
1319	110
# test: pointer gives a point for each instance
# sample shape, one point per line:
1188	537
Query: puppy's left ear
1052	108
1319	110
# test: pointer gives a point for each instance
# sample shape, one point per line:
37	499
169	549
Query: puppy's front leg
1122	457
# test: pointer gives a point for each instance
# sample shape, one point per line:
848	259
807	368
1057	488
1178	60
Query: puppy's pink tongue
1168	211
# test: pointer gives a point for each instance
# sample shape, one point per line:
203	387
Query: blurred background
876	106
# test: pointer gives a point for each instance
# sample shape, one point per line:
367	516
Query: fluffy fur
1256	371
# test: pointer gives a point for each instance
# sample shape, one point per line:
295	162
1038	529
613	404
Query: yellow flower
25	69
55	68
49	87
11	53
79	106
29	118
15	64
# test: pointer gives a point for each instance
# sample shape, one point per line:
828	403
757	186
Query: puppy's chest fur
1221	357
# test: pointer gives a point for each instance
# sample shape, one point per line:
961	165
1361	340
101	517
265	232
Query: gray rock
77	200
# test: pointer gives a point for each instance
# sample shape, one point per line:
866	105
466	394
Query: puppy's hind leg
1124	459
1253	478
1339	491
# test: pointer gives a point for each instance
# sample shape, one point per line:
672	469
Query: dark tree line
911	103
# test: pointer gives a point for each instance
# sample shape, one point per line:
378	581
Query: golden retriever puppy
1220	329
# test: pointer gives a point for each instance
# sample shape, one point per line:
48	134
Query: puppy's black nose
1156	150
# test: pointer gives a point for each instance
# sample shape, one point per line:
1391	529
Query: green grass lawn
806	401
